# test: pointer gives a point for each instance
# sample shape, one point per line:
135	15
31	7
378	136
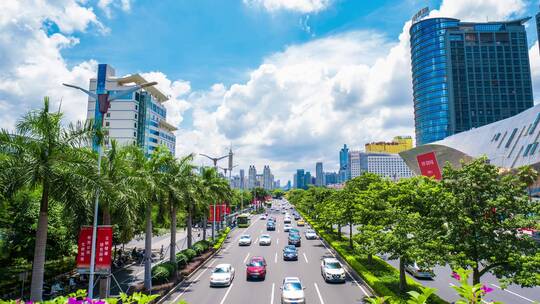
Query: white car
310	234
287	220
222	275
265	240
287	227
332	271
263	217
419	272
245	240
292	291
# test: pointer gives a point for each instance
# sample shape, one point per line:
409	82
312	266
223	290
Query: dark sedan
290	253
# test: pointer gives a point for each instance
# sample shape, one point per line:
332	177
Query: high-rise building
294	181
330	178
538	27
391	166
252	177
344	170
398	144
135	118
357	163
268	180
319	174
307	179
242	179
300	179
288	186
466	75
259	181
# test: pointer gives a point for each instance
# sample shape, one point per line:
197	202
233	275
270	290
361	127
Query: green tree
278	193
483	217
41	154
215	189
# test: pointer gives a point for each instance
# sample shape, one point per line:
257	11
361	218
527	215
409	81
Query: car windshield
244	237
290	248
292	286
220	270
256	263
310	231
265	236
333	265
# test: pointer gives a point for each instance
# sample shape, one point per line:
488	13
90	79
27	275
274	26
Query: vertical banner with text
103	249
428	165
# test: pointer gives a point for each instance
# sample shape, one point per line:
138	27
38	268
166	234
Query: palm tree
215	189
41	154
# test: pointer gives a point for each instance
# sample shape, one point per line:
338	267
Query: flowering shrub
80	297
469	294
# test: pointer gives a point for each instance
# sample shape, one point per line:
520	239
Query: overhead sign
103	257
421	14
428	165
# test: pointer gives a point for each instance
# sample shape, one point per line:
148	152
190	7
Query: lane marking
346	271
318	293
272	295
275	258
191	282
516	294
245	259
278	230
257	241
226	294
305	257
277	241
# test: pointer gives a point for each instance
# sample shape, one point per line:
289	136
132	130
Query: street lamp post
214	160
103	100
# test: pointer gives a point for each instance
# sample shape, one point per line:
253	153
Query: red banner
103	249
220	211
428	165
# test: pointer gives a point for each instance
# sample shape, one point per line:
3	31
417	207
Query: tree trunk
38	267
172	250
148	249
369	258
339	231
213	223
205	223
105	282
350	236
189	225
476	276
402	277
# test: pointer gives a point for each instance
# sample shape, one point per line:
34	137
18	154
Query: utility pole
214	160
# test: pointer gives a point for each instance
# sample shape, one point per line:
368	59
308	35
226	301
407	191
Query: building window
135	115
134	134
106	124
136	107
108	115
135	124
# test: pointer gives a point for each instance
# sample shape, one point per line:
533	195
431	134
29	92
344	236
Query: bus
243	220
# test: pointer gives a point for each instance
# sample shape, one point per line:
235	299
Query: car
222	275
296	217
290	253
265	240
292	291
282	211
270	226
256	268
294	230
332	271
295	239
287	227
263	217
272	219
245	240
287	220
310	234
300	223
419	272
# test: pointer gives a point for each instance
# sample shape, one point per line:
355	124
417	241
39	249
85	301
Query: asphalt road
307	268
513	294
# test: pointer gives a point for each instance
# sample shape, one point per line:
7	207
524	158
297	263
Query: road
513	294
307	268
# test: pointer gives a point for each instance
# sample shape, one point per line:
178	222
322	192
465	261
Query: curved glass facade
430	76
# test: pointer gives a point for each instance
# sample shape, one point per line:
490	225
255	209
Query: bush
221	238
204	243
160	274
190	254
199	249
181	260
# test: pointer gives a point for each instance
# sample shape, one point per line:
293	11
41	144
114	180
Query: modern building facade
242	179
508	144
268	178
300	179
538	28
390	166
252	177
398	144
307	179
466	75
355	166
319	174
330	178
344	169
138	118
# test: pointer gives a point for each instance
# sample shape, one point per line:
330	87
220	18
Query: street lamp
103	98
214	160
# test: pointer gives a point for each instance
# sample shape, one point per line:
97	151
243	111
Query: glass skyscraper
467	75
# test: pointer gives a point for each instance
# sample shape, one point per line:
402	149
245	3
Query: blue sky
286	82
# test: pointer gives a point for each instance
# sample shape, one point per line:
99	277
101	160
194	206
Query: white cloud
302	6
107	5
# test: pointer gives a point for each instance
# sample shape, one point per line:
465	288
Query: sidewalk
135	272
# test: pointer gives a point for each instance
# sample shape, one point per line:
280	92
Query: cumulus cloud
302	6
107	5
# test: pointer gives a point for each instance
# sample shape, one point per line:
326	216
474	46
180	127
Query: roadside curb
175	288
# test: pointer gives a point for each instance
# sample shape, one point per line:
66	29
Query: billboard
428	165
103	256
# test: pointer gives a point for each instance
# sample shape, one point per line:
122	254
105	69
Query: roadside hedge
181	260
222	236
189	253
379	275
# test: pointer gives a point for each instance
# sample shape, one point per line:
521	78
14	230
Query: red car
256	268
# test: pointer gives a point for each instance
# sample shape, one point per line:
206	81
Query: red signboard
220	211
103	249
428	165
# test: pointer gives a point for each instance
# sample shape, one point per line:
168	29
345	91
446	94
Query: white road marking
348	273
318	293
226	294
245	259
275	258
278	230
272	296
261	231
277	241
191	282
516	294
305	257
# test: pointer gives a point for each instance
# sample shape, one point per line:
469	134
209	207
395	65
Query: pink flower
456	276
100	302
486	289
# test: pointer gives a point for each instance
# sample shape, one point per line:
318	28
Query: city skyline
316	115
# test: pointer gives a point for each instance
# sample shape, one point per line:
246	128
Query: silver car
245	240
265	240
332	271
292	291
222	275
419	272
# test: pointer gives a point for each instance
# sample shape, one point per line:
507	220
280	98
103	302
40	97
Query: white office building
385	165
